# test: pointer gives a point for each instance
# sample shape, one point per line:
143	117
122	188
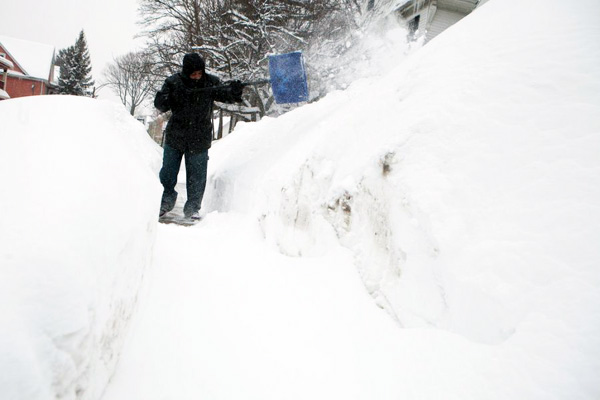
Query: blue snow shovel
288	78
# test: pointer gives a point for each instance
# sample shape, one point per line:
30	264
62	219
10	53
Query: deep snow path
225	317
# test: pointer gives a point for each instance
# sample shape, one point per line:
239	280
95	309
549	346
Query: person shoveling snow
189	131
190	95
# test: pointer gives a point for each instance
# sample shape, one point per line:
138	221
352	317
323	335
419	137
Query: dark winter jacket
190	127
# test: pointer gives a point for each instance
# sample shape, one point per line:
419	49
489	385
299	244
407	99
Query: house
29	68
429	18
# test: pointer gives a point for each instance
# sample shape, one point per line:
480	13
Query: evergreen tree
75	69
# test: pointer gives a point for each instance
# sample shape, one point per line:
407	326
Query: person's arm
232	93
161	101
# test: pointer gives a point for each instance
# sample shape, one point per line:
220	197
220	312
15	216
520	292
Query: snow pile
466	184
78	227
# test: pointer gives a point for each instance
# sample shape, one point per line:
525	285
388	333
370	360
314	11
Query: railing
3	79
235	114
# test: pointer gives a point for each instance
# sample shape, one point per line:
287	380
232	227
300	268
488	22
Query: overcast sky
109	25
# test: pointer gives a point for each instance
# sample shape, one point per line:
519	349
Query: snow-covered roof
34	58
6	63
16	73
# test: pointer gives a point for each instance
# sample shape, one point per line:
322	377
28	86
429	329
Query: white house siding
442	20
425	15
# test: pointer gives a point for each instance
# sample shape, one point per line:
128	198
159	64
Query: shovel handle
260	82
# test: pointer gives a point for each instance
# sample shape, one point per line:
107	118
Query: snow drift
79	209
466	183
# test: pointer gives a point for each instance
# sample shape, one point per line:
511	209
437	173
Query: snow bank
79	210
466	183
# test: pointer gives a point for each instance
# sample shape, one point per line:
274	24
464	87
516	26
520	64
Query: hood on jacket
192	62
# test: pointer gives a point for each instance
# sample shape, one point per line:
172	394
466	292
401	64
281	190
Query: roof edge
14	59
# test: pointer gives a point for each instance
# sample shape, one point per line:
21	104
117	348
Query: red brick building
26	68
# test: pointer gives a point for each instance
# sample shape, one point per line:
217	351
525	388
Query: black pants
196	168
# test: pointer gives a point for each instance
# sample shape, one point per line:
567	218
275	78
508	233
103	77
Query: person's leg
168	177
196	168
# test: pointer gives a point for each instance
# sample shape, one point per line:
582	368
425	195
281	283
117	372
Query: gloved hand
237	88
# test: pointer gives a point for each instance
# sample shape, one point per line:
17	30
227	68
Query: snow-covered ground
459	191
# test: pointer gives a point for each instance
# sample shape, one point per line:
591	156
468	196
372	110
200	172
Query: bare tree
236	36
132	78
